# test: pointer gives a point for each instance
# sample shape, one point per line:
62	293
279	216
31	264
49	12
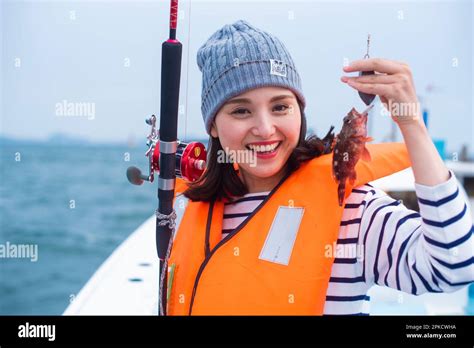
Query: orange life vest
210	276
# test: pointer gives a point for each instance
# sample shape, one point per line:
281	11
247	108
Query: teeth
263	148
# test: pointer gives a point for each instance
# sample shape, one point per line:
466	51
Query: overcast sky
108	54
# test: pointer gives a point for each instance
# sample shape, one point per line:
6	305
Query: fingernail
344	79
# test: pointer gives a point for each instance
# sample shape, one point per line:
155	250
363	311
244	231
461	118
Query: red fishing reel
190	158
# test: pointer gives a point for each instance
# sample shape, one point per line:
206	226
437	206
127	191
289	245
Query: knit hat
239	57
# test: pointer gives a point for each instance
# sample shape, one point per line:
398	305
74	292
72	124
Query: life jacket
276	262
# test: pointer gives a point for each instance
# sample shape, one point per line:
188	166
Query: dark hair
220	180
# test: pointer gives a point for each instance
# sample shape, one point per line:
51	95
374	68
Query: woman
267	236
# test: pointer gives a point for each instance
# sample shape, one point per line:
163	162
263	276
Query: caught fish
348	148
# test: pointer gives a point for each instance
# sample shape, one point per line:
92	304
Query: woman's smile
265	149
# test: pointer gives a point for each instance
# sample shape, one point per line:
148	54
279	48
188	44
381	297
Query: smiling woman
252	100
273	238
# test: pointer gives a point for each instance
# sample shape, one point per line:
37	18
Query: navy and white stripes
430	251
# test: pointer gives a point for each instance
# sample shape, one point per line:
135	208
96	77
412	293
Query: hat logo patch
277	67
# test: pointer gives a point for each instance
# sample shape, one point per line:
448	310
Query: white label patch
282	235
277	67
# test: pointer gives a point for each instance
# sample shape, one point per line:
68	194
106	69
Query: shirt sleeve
430	251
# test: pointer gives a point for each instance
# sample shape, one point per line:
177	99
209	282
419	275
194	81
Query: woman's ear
214	130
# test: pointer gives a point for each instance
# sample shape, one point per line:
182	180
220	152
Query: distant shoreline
65	140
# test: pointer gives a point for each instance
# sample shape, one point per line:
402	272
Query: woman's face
254	123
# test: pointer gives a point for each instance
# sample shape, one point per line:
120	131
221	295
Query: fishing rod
167	155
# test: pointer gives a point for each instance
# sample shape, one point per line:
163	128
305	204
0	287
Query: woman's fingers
375	64
386	90
377	78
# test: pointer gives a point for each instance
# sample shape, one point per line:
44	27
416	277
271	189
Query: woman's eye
239	112
281	108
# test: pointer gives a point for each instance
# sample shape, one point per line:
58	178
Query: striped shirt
429	251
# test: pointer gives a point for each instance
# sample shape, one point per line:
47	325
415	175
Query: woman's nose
264	127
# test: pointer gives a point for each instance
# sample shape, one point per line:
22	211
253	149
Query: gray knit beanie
239	57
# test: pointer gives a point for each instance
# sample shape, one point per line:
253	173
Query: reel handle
135	176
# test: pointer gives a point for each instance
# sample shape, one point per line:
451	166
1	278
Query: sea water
75	205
